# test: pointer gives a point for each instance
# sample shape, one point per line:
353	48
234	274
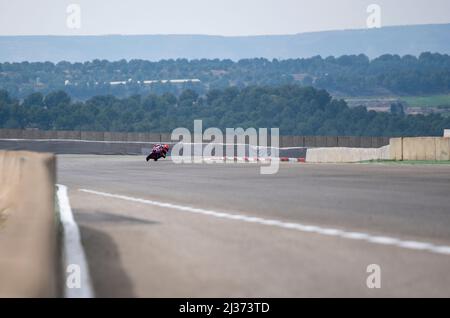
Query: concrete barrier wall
429	145
28	233
409	149
346	155
442	149
421	148
285	141
77	147
396	149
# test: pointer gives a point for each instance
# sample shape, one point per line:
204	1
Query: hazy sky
219	17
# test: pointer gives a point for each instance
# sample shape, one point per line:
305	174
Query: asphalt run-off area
224	230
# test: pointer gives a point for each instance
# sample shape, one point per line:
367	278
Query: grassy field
412	101
427	101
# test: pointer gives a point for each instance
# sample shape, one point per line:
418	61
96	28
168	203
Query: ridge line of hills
401	40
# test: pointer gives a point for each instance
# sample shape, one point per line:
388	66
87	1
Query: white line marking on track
138	142
381	240
72	248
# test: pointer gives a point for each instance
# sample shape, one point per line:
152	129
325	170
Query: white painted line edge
380	240
73	252
141	142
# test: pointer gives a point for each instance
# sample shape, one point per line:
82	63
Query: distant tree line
295	110
353	75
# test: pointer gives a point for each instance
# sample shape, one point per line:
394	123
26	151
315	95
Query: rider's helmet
166	147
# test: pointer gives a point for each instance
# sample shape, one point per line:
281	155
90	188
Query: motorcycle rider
158	151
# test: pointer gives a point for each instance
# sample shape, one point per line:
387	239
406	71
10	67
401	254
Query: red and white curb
253	159
300	160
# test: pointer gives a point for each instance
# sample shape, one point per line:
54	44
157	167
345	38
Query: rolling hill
400	40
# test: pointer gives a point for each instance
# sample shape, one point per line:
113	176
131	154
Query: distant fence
79	135
332	141
65	146
285	141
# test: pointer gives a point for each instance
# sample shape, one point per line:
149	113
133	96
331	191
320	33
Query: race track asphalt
154	249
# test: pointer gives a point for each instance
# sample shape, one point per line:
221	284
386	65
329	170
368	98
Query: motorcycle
158	152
